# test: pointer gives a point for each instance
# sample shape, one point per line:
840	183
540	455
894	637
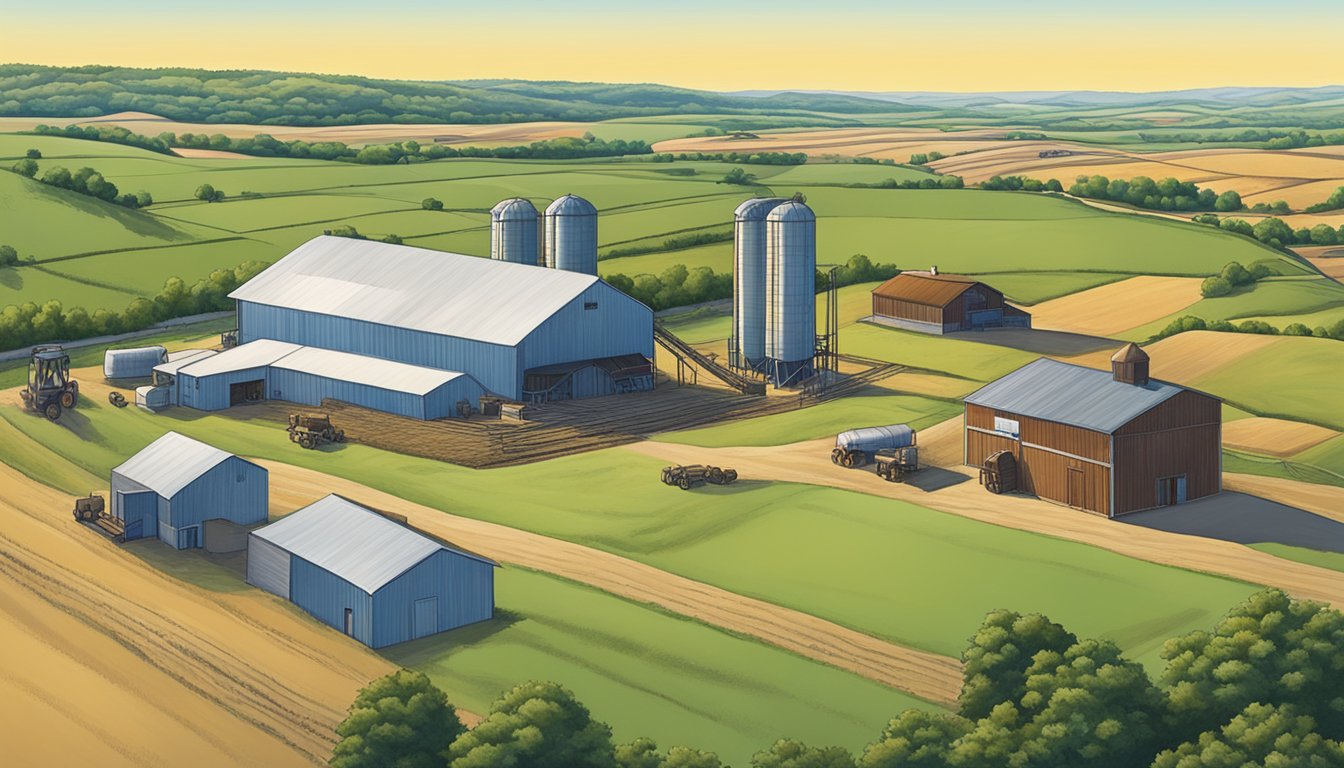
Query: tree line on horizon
1259	690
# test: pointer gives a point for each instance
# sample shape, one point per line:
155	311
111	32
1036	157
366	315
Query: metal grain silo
514	232
747	349
571	235
790	292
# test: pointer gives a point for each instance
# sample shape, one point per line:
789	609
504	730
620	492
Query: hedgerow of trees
679	286
1260	690
1232	277
1192	323
1273	139
1021	183
1332	203
1275	232
26	324
85	181
1166	195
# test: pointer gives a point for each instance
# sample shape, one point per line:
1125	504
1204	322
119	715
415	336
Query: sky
853	45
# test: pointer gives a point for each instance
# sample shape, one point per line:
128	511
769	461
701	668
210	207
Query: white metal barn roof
1072	394
361	369
355	543
254	354
171	463
177	360
401	286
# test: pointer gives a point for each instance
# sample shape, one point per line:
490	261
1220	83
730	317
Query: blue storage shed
374	579
523	332
275	370
175	484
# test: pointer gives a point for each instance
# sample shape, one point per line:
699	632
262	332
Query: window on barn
590	305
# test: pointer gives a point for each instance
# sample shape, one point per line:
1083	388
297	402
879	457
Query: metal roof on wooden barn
923	288
437	292
1072	394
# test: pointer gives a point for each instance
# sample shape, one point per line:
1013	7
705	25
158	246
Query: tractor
692	475
310	431
50	388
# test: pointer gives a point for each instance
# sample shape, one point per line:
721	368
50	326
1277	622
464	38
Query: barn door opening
1077	496
349	627
247	392
1171	490
425	618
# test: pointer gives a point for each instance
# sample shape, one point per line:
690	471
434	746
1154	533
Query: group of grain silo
568	232
774	288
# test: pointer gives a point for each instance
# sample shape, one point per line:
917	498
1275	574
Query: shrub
1213	287
431	204
401	719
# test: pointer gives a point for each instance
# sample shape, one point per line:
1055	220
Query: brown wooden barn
1108	443
933	302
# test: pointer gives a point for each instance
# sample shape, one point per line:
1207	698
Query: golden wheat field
1273	437
1116	307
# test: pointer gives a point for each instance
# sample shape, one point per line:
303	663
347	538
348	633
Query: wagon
691	475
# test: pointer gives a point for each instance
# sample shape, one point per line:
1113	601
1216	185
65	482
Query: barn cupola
1130	365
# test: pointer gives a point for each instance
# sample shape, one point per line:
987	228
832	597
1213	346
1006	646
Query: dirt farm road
109	661
808	462
930	676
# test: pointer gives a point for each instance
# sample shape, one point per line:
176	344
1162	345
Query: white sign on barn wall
1006	426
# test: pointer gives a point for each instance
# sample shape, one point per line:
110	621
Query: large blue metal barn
374	579
277	370
175	484
523	332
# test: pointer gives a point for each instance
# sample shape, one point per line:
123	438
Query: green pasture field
1329	455
1332	560
966	359
1288	469
647	673
1294	378
1278	302
833	553
822	420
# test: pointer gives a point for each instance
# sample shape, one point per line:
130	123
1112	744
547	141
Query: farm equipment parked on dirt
893	464
311	430
116	398
692	475
92	509
50	388
860	447
999	472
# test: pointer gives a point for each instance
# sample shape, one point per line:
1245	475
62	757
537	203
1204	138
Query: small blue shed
374	579
175	484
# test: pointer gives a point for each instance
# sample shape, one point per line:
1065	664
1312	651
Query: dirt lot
1273	437
92	631
805	462
929	676
1114	308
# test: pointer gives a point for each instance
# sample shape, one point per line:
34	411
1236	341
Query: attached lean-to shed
171	487
376	580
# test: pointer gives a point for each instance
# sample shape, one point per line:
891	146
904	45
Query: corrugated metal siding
494	366
267	566
211	393
299	387
235	490
464	588
619	325
591	381
326	596
138	511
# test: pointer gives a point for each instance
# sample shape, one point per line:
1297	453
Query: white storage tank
135	363
571	235
514	232
790	292
748	345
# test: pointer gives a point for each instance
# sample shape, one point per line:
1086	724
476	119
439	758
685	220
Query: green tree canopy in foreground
399	720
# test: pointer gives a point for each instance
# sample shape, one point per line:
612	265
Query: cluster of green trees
1275	232
738	176
924	158
674	243
1021	183
1191	323
749	158
85	181
345	230
26	324
113	134
931	182
1165	195
1332	203
1232	277
1274	139
287	98
1024	136
1260	690
8	256
1277	206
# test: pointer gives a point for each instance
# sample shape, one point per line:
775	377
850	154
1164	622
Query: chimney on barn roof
933	270
1130	365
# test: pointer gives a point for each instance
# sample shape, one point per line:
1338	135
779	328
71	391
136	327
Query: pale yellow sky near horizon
733	51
